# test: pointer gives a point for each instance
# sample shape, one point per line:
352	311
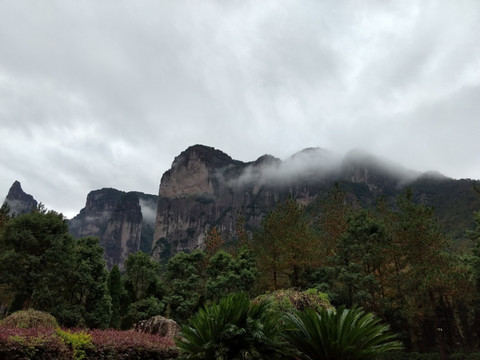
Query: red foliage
39	343
121	340
35	343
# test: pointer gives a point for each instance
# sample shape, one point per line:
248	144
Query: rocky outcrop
205	187
117	219
19	201
158	325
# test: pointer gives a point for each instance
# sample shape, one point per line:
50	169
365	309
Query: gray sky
106	93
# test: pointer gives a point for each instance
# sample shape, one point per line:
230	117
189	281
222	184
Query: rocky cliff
19	201
123	221
205	187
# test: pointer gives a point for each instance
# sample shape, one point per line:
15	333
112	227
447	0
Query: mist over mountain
122	221
205	187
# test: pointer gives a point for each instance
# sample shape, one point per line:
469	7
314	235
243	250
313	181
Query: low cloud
106	94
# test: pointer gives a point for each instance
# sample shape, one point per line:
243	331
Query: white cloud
106	94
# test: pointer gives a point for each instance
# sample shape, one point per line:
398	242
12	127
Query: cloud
106	94
149	211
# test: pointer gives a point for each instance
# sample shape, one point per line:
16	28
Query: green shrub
79	342
290	300
347	334
28	319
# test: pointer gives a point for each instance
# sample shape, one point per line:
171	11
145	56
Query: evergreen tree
36	255
185	279
90	279
145	291
116	291
227	274
285	246
359	262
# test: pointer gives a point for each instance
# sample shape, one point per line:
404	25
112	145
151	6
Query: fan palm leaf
343	334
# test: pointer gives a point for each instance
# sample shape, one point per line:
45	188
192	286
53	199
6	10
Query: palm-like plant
344	334
233	329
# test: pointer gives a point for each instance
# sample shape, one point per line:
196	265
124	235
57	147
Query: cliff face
19	201
206	188
117	219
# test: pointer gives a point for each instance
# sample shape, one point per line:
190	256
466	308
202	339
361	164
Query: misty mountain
123	221
19	201
205	187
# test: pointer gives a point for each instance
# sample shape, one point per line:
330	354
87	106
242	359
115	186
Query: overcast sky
106	93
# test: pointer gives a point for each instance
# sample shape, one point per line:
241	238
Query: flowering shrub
49	344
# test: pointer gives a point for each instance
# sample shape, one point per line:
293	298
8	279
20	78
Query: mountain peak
211	157
19	201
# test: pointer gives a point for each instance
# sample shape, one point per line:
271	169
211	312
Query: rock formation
19	201
205	187
158	325
122	221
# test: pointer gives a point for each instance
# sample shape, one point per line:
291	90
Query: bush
35	343
113	344
79	342
28	319
49	344
290	300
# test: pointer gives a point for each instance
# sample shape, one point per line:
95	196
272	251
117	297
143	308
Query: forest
392	260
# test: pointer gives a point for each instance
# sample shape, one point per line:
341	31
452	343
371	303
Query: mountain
205	187
123	221
19	201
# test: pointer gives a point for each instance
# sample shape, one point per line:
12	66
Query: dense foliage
233	329
40	261
345	334
29	319
392	259
45	344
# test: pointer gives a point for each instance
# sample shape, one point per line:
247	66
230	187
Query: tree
470	315
227	274
359	262
116	291
36	255
6	296
142	283
141	276
185	279
4	215
335	210
422	276
213	242
285	246
89	275
40	261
